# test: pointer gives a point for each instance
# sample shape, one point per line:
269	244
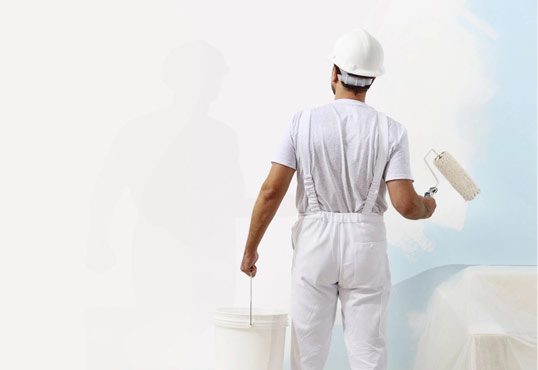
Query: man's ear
334	75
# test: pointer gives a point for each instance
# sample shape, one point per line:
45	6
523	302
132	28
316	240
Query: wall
135	137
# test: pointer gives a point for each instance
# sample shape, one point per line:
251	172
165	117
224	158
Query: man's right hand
430	205
407	202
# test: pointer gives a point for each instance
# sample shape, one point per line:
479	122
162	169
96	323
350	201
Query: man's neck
346	95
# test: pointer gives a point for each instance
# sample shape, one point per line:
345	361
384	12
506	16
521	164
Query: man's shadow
182	171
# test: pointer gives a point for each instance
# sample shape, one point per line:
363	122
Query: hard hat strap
344	77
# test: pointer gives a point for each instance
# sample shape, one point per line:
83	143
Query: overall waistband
343	216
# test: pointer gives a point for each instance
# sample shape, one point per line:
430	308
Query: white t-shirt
343	161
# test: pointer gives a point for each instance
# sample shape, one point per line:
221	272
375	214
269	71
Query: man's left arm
272	192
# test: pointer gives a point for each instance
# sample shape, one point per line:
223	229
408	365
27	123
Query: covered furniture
482	318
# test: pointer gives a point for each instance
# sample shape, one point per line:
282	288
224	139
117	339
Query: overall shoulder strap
381	161
305	155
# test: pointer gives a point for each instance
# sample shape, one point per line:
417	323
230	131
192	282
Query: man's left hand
248	265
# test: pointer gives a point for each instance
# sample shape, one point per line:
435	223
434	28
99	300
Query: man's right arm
407	202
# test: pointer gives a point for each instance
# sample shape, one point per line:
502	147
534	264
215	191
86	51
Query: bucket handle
250	310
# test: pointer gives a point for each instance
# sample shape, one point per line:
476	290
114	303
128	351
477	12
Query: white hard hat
359	53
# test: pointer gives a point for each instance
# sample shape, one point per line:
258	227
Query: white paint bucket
239	346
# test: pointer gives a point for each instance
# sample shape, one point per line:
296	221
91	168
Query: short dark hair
356	89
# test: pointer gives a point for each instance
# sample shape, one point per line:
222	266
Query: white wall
135	136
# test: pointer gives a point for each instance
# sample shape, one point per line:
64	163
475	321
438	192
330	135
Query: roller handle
430	192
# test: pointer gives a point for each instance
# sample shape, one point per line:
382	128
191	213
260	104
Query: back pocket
365	265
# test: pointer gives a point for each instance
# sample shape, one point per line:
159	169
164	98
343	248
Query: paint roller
454	173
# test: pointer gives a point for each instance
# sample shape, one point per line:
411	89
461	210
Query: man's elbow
271	190
270	193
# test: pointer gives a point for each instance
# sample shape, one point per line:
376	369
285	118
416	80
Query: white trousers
339	255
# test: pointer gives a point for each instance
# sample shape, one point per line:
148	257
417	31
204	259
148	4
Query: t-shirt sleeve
398	165
285	151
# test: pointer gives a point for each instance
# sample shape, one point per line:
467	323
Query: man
346	155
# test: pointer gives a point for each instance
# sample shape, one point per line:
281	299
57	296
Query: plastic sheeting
483	317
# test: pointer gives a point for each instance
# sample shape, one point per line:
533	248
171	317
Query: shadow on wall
406	312
182	171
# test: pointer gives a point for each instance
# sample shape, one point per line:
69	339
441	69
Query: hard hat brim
357	71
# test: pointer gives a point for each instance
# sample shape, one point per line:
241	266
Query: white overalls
339	255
